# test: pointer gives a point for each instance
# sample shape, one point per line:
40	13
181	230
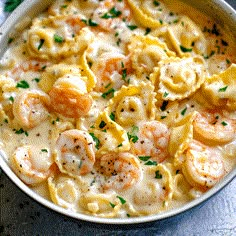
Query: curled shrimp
30	108
121	170
110	14
153	139
203	166
69	97
111	70
75	152
26	164
214	127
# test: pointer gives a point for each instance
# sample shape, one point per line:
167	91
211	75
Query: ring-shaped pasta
155	196
187	37
146	52
108	135
180	137
64	191
179	78
133	103
220	89
102	205
141	17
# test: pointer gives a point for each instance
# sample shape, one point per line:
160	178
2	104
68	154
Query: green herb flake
147	31
112	205
21	131
165	94
102	124
132	27
120	145
163	117
6	120
132	136
128	215
144	158
44	150
109	92
122	200
224	123
161	21
112	13
41	42
22	84
151	163
11	5
58	38
64	6
11	99
36	80
177	172
156	3
10	40
112	116
223	89
183	111
96	140
228	61
158	175
183	49
164	105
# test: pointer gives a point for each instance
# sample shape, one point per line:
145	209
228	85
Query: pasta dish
119	108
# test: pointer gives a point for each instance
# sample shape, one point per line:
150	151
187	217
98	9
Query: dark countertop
20	215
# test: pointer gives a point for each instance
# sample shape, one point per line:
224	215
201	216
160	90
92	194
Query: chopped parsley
102	124
36	80
132	136
10	40
163	117
165	94
58	38
96	140
158	175
22	84
132	27
156	3
184	49
112	13
111	92
11	99
44	150
11	5
112	205
41	42
183	111
144	158
122	200
112	116
164	105
223	89
21	131
89	22
151	163
224	123
147	31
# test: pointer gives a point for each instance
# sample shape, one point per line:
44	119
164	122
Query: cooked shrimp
214	127
153	139
69	97
203	166
110	14
111	70
121	170
30	108
26	165
75	152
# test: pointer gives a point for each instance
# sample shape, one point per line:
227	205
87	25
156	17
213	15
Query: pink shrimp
153	139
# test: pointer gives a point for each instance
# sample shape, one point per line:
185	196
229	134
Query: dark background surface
20	215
